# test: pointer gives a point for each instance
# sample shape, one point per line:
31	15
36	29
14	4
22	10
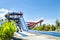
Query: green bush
7	30
49	27
46	28
53	28
39	28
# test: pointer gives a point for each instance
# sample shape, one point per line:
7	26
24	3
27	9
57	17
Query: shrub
46	28
53	28
39	28
7	30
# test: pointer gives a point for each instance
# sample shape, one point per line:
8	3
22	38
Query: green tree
47	28
43	26
57	24
53	28
39	28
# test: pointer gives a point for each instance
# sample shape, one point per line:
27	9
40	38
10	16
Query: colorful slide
25	28
22	26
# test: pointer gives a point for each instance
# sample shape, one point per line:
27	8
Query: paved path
35	36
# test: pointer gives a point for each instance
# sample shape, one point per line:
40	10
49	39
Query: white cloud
41	18
49	21
3	12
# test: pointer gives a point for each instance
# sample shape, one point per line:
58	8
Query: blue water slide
25	28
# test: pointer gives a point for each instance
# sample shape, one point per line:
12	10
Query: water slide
30	34
25	29
26	33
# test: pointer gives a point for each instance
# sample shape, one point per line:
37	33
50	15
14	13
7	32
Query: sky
33	10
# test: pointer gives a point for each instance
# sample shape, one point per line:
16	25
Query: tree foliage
57	25
49	27
45	27
7	30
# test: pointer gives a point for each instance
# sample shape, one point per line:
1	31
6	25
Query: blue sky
49	10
